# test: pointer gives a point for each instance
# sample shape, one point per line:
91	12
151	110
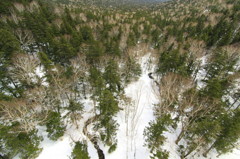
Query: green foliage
37	23
236	7
60	37
90	16
108	105
206	129
8	47
215	88
69	72
26	145
201	133
112	77
136	32
5	97
46	11
220	34
230	133
218	69
76	40
154	135
96	80
6	5
63	51
68	17
75	106
80	151
8	44
87	34
131	41
112	148
112	48
163	154
131	71
55	127
221	64
109	132
156	38
47	63
95	52
173	61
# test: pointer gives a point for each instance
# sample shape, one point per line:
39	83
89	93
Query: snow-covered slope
132	121
136	116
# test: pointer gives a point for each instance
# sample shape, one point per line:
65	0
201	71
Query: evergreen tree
173	61
112	77
95	52
131	71
112	48
21	144
202	133
131	41
8	47
76	40
108	107
215	88
87	34
221	64
55	127
230	133
155	138
80	151
64	51
75	109
96	80
47	63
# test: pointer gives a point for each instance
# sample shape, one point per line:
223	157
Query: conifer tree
111	76
80	151
155	138
55	127
230	133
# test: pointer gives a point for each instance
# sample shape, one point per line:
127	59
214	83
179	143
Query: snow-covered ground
60	149
132	122
136	117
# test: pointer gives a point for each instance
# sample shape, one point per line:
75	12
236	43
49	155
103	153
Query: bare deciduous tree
171	87
20	7
27	114
24	37
24	68
80	69
191	108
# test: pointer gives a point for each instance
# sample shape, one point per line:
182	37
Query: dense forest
56	56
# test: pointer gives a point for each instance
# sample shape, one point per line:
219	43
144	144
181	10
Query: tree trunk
180	136
238	106
235	101
84	89
208	150
189	152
